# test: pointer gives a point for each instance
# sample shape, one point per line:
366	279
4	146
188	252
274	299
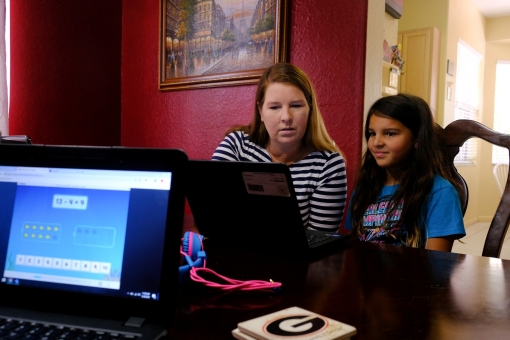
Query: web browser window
79	228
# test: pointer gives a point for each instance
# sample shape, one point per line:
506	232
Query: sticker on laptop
266	183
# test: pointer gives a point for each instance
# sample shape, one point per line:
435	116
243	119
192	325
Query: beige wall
497	48
450	17
374	53
461	13
456	19
484	195
377	18
390	29
498	30
421	14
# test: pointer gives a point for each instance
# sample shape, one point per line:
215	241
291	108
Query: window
468	94
501	108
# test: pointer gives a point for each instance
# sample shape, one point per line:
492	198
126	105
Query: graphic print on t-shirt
379	227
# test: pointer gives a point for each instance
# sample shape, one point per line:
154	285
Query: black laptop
251	205
89	241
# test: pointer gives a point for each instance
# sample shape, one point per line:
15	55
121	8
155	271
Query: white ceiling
493	8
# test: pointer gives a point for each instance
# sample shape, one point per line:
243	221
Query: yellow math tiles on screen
43	232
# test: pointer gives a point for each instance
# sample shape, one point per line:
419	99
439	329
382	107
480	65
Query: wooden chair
454	136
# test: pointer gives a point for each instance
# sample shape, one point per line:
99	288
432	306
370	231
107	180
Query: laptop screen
83	229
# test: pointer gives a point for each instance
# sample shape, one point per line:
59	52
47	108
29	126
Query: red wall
65	71
86	72
327	40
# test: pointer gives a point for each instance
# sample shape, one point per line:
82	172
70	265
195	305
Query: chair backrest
501	174
454	136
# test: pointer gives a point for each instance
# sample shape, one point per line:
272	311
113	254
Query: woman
287	127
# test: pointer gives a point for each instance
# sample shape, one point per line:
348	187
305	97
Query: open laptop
89	238
250	205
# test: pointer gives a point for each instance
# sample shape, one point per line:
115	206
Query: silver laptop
89	241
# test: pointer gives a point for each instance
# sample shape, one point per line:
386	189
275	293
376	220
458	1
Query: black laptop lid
246	205
91	231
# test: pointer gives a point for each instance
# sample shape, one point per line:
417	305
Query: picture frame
231	45
394	8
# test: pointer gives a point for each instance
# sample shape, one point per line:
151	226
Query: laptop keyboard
316	238
11	329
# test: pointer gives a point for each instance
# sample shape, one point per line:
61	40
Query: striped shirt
319	179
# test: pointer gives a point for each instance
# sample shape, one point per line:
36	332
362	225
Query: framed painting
212	43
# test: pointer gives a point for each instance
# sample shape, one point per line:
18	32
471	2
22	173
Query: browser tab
33	170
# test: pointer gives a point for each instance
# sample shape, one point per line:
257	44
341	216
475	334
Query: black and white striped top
319	179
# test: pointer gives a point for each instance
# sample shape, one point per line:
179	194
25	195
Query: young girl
403	195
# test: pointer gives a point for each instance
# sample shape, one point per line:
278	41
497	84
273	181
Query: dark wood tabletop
386	292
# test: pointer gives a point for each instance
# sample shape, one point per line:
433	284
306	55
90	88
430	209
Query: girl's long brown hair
424	162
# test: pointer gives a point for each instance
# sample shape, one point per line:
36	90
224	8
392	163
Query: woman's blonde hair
316	136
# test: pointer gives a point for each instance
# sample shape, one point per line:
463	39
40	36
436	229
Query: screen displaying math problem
75	235
83	229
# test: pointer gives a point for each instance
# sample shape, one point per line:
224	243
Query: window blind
467	95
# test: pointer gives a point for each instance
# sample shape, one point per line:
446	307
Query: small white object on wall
450	67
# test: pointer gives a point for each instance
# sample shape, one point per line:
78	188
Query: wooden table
385	292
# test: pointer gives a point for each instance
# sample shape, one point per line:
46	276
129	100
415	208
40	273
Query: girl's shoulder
441	183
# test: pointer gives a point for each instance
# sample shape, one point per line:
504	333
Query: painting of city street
210	43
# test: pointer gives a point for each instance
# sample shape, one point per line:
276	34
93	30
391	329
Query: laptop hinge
135	322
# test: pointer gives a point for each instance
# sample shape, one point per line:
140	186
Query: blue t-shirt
443	216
